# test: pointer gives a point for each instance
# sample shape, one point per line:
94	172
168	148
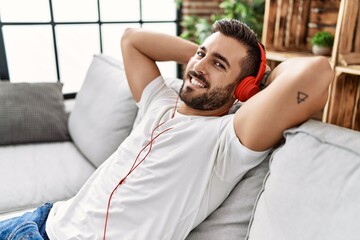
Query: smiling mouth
197	82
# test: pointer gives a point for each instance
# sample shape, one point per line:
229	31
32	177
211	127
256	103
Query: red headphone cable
136	164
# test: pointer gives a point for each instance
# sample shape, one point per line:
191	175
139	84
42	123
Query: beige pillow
104	110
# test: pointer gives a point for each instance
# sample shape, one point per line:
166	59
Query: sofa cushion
104	110
312	191
50	172
32	112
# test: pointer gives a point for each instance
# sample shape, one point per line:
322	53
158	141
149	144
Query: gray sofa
307	188
49	147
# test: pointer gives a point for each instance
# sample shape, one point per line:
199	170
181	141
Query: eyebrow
217	55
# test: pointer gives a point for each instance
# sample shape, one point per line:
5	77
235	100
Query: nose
201	66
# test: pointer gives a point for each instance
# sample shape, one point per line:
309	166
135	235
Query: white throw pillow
104	110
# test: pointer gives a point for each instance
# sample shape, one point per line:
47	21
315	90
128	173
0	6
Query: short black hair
245	35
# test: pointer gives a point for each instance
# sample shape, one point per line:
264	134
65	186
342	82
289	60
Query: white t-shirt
188	173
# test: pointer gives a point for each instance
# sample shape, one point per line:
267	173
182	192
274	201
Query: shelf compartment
351	69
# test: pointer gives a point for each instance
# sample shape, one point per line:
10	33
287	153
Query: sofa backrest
312	190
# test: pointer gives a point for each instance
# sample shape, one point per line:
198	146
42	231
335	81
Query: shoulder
156	90
156	95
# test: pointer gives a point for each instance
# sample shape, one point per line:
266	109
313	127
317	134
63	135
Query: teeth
197	83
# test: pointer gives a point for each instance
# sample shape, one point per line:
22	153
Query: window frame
4	71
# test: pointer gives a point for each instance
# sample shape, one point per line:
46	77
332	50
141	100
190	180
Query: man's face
210	76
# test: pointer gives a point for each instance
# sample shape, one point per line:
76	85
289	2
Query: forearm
141	50
158	46
306	66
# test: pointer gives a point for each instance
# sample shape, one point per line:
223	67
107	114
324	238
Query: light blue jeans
29	226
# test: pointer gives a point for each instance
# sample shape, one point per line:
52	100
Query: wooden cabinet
288	28
344	103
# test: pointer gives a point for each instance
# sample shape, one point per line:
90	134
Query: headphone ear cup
246	89
249	86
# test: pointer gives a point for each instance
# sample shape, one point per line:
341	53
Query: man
186	155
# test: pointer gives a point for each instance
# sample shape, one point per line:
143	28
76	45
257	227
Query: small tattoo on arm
301	97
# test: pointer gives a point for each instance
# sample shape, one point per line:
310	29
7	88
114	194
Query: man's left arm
141	49
298	89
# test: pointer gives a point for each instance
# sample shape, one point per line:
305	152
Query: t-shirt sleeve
234	159
155	94
153	85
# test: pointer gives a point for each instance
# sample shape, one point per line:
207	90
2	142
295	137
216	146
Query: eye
219	64
200	54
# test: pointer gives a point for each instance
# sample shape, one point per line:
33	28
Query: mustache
198	76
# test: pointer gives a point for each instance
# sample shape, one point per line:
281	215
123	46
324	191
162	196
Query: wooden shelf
282	56
352	69
288	28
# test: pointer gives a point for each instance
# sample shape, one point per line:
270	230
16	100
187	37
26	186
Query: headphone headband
262	66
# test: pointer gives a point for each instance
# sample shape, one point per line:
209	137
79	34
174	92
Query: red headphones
249	86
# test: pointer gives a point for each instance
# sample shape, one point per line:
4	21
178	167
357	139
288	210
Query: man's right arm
141	49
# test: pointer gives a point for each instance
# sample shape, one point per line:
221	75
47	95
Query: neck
186	110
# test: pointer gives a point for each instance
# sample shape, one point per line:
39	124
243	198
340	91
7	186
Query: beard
210	100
